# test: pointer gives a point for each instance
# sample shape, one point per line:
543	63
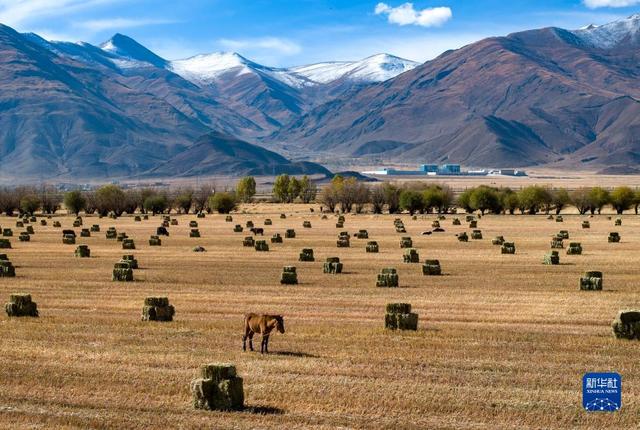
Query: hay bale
387	278
57	224
343	240
332	266
473	224
435	224
362	234
95	228
431	268
128	244
462	237
7	232
155	241
340	224
559	218
237	228
614	237
248	241
411	256
627	325
21	305
456	221
289	275
174	221
130	260
192	224
5	244
268	221
198	249
77	223
283	216
306	255
414	218
550	217
290	233
398	308
276	238
372	247
574	248
398	316
508	248
7	270
498	240
30	230
551	258
145	218
85	232
82	251
200	215
111	233
618	221
4	257
324	217
43	222
261	245
591	281
406	242
586	224
194	232
470	218
162	231
341	218
219	389
228	218
24	237
564	234
69	239
400	229
306	224
157	309
476	234
137	218
249	224
122	272
165	223
557	243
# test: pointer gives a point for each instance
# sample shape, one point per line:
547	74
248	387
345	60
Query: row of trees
341	194
536	199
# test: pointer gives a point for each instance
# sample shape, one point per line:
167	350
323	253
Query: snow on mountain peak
610	35
205	68
376	68
131	52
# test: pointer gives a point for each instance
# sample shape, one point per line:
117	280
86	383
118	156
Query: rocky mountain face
541	97
548	96
78	111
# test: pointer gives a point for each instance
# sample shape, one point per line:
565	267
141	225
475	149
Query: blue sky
288	32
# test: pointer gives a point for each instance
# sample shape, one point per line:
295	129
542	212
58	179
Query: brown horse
262	324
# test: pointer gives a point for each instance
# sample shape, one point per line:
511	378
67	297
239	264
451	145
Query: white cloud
17	12
274	44
593	4
405	14
116	23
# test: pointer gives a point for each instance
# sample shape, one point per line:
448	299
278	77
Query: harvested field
502	342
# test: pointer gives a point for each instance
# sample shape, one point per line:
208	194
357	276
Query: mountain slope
536	97
219	154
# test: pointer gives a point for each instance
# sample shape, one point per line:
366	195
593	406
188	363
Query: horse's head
280	323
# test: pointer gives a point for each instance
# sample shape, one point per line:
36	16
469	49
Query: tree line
343	194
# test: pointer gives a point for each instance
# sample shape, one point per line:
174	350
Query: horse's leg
251	340
266	344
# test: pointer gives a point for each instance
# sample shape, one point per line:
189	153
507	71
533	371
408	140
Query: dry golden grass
503	341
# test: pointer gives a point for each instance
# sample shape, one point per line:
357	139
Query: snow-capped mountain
377	68
211	68
611	35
